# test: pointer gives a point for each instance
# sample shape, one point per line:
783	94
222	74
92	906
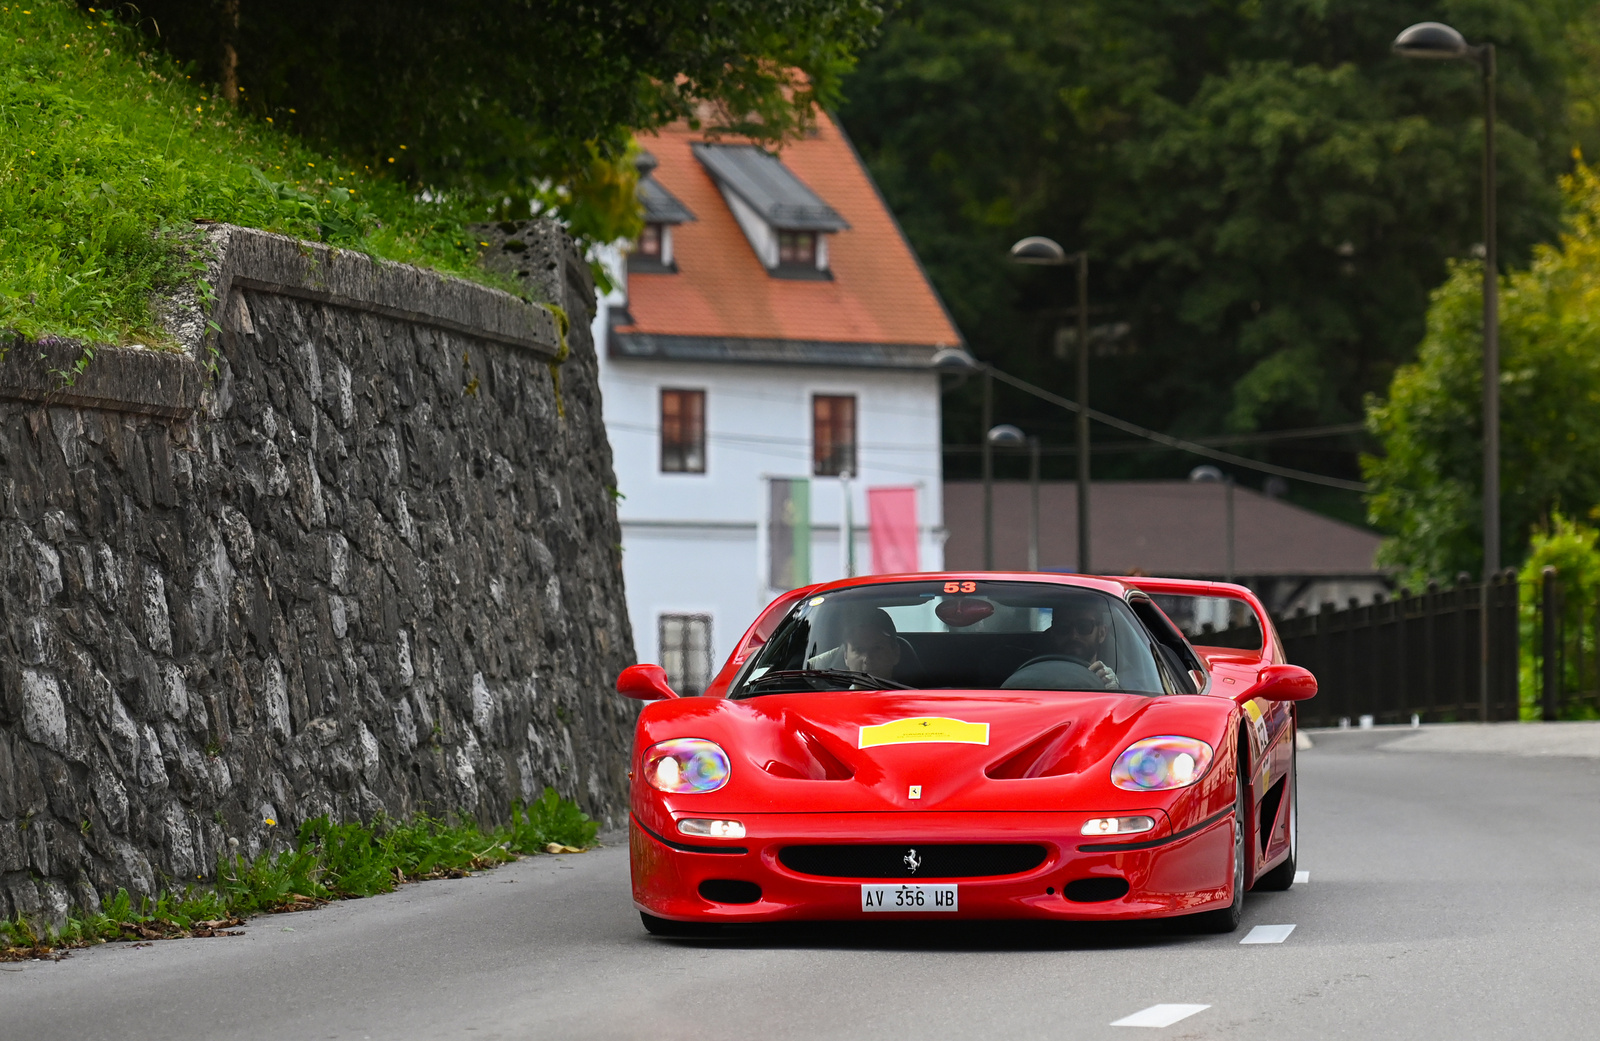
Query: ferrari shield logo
924	730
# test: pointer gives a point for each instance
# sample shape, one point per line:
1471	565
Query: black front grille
897	861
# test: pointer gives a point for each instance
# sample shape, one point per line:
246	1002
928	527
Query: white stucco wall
693	543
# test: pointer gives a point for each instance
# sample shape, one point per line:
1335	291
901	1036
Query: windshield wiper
861	679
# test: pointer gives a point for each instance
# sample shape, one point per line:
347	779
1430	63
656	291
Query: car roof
1113	586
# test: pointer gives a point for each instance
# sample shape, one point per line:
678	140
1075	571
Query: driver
871	645
1079	629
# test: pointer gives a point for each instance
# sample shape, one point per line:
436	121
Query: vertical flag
789	532
892	520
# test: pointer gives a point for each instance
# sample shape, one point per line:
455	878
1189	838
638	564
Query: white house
766	372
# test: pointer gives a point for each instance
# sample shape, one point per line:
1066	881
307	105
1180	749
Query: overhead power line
1192	447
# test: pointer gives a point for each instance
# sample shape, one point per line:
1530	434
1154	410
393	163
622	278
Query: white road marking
1302	877
1268	934
1159	1015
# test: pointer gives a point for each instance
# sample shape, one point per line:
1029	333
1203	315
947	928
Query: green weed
328	861
551	819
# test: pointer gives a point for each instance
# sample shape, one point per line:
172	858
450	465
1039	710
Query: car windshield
932	635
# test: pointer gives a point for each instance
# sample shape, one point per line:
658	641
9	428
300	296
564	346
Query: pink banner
892	518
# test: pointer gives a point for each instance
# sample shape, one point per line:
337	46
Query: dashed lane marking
1268	934
1302	877
1159	1015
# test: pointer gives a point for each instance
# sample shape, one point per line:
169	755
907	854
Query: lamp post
960	363
1007	436
1208	474
1036	249
1436	41
1033	510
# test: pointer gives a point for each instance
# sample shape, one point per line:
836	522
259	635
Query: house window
686	651
650	240
797	247
833	434
683	431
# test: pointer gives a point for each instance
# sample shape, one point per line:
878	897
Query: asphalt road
1452	894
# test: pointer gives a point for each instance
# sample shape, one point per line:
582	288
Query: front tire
1227	919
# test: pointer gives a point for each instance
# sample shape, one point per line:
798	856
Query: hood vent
815	764
1050	755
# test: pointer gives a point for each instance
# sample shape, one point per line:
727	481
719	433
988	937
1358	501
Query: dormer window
655	242
786	223
652	251
797	247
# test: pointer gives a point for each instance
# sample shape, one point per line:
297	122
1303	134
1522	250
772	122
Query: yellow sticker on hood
924	730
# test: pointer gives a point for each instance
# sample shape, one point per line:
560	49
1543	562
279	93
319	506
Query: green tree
1266	194
1427	483
505	98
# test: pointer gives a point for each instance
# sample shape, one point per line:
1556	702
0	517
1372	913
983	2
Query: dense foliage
502	98
107	156
1266	193
1427	482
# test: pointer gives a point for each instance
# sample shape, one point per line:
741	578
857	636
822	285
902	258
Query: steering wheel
1081	663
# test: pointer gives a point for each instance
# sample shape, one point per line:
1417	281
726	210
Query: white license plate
920	896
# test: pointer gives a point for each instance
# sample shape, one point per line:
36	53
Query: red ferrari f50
973	745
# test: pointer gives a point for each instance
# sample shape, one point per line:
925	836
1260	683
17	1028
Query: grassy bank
326	861
108	155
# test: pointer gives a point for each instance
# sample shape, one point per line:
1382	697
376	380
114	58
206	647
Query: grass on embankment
327	862
109	153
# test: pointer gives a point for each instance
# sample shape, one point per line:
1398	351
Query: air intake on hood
910	861
1046	756
816	763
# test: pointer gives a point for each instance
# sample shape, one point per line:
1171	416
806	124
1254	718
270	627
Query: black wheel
682	930
1226	919
1282	876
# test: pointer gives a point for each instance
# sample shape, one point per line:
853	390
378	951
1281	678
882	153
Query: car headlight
1160	763
686	765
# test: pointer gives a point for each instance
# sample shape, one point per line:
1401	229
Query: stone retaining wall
348	556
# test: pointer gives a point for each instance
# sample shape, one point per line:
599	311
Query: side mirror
645	683
1282	683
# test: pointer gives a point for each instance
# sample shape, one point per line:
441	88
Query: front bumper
1167	874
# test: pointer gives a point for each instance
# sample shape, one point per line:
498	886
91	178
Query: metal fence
1412	655
1561	646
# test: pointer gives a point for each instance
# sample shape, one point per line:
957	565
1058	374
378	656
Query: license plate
910	897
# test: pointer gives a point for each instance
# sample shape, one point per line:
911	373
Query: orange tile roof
878	294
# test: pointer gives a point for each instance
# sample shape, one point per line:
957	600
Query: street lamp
1007	436
1436	41
1036	249
1208	474
957	361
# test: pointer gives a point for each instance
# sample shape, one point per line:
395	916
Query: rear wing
1223	621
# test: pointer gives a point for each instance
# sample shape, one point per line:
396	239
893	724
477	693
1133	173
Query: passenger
871	645
1079	630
